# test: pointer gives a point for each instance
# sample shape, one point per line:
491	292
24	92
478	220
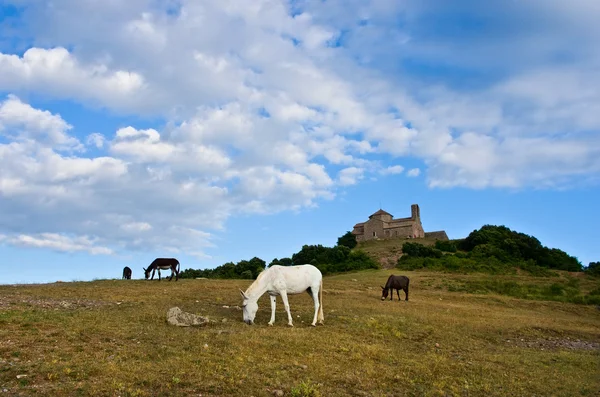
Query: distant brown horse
164	264
126	273
395	283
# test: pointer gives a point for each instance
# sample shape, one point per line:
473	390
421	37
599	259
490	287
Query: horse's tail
321	316
178	264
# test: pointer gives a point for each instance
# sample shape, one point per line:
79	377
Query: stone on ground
175	316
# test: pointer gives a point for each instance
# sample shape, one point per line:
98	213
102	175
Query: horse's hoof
290	325
270	324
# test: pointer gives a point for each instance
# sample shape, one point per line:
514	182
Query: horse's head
146	272
249	306
384	293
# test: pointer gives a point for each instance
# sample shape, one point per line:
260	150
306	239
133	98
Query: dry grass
387	251
111	338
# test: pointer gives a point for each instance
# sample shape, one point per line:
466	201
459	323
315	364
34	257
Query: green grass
110	337
563	289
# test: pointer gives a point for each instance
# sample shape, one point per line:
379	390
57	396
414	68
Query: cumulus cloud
58	72
350	175
20	121
267	106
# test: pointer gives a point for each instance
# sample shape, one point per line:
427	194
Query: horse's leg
391	294
284	298
315	295
153	271
171	278
406	292
158	274
398	292
273	304
321	316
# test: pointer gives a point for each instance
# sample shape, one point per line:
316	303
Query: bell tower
415	212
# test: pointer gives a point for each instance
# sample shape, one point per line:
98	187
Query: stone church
382	225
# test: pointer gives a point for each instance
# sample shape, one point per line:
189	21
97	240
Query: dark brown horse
126	273
164	264
395	283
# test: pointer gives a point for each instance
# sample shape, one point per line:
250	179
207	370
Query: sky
220	130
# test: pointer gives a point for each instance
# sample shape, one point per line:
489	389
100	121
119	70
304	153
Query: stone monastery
382	225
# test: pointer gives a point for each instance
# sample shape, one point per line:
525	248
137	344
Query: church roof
380	212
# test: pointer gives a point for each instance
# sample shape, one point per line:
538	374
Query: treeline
327	259
593	269
492	249
243	269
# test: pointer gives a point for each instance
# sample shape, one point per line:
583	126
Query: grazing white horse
284	280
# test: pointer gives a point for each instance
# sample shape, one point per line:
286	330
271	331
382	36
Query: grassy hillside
387	252
110	338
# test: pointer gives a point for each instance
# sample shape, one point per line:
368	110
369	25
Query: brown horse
164	264
395	283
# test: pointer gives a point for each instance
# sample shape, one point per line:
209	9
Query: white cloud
392	170
57	72
350	176
20	121
413	172
96	139
61	243
257	107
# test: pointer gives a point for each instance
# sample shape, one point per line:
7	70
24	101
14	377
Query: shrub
420	250
446	246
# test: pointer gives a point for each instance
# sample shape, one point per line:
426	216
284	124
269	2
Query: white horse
284	280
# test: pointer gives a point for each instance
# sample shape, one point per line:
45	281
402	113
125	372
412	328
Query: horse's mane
260	275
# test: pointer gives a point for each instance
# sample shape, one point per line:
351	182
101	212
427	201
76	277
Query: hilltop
387	252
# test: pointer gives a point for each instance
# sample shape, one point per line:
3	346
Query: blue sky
222	130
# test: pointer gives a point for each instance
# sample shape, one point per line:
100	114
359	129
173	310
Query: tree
510	246
281	262
347	240
593	269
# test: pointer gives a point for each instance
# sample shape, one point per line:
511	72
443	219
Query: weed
305	389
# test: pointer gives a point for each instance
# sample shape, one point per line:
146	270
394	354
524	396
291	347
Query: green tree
593	269
347	240
511	246
281	262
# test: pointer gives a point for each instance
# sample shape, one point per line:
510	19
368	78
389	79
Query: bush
421	251
446	246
